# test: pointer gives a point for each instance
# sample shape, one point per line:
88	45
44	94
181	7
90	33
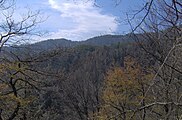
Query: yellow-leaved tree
16	86
124	92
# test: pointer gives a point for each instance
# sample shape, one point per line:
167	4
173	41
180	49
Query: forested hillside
70	78
51	44
137	76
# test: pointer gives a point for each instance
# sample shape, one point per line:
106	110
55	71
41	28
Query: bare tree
14	28
18	79
161	40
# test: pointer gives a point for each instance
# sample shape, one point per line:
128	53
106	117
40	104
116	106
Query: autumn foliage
124	90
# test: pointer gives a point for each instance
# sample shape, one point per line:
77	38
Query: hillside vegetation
137	76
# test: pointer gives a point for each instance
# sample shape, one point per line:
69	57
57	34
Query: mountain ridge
52	44
95	41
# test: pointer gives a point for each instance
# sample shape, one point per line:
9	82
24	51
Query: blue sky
81	19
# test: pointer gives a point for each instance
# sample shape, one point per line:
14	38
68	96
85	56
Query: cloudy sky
82	19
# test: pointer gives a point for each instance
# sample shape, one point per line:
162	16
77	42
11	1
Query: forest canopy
137	76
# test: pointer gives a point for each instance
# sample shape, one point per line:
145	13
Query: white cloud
84	20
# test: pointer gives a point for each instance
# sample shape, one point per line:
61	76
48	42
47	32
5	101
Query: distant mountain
53	43
107	40
50	44
96	41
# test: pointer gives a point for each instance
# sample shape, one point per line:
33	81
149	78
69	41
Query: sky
81	19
